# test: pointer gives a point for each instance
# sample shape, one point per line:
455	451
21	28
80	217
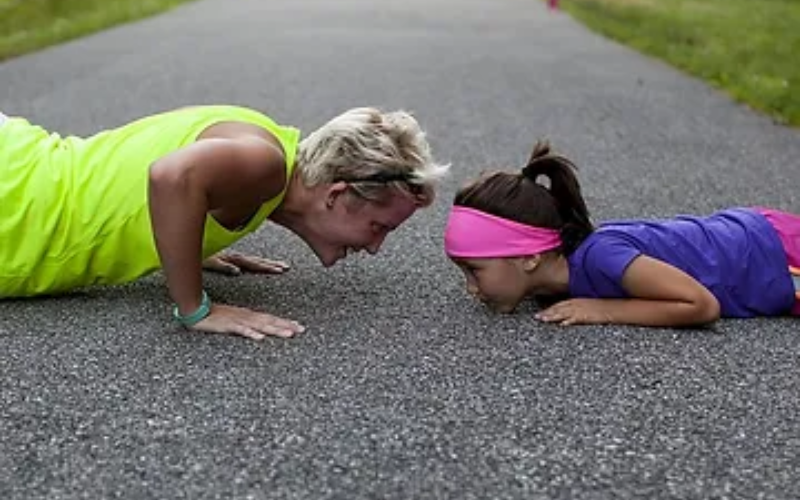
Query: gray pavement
403	387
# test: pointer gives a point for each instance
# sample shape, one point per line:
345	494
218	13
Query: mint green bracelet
197	316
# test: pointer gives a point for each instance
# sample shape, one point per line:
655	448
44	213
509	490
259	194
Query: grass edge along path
27	26
746	49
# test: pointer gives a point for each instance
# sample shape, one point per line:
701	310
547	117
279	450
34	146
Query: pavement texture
402	387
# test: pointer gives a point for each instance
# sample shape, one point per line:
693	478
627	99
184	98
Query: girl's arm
661	295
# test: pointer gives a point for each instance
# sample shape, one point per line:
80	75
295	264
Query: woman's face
351	224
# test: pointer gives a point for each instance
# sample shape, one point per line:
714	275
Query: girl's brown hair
546	193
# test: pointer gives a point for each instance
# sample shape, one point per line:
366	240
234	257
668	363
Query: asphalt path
402	387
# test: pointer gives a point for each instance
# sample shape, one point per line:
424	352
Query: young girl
529	234
170	191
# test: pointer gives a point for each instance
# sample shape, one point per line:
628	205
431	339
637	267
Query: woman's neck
297	204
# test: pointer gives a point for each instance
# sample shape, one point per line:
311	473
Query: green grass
748	48
29	25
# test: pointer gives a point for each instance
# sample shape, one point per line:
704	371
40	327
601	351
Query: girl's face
500	283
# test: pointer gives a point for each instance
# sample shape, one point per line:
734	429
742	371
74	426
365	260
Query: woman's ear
333	192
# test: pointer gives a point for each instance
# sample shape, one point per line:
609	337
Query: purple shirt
735	253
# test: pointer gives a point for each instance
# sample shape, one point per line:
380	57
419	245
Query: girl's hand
246	323
234	264
577	312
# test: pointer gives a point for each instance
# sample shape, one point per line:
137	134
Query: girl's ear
531	262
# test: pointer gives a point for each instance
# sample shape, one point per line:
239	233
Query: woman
170	191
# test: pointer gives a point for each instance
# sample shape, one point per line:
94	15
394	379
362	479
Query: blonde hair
373	151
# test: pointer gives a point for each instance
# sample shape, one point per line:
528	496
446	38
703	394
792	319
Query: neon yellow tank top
74	211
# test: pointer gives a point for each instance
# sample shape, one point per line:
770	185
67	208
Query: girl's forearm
664	313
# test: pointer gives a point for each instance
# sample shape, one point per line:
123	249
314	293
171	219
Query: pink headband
471	233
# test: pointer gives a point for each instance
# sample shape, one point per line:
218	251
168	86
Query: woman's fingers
268	324
247	332
247	323
256	264
220	265
234	264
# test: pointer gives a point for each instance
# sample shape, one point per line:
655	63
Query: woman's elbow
161	177
168	182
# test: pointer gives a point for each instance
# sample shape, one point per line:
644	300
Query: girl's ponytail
556	173
545	194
